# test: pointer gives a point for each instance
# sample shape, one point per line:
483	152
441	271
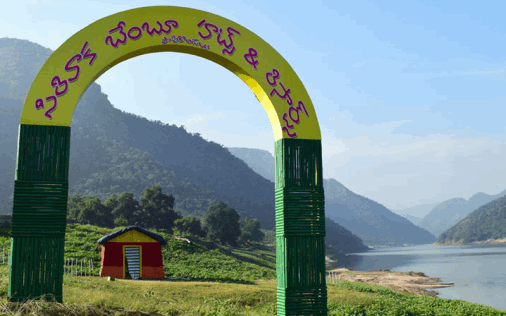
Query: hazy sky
409	95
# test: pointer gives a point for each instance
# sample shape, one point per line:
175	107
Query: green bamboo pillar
300	228
39	213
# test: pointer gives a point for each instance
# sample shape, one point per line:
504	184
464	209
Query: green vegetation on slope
202	259
486	222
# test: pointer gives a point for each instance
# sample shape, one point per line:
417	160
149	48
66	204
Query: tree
74	205
252	227
244	239
86	216
156	209
190	225
123	205
166	220
90	210
120	221
103	214
222	223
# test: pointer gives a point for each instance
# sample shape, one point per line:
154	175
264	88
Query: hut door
132	257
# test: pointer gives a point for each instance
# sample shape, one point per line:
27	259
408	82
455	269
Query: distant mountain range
488	222
371	221
413	219
376	225
446	214
418	211
260	161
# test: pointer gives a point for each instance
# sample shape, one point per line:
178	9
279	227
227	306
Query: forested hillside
114	152
100	166
99	130
486	222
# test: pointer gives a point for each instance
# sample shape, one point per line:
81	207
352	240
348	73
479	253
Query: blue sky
409	94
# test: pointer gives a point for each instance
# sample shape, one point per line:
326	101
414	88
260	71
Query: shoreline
398	281
489	241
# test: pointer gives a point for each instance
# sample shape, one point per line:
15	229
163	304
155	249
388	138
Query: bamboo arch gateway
41	180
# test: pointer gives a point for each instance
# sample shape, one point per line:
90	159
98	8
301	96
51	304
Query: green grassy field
225	282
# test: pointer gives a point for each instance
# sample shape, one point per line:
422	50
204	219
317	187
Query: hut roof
156	237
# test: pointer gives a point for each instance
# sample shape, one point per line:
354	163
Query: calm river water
478	271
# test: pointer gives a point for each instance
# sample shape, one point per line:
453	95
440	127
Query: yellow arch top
85	56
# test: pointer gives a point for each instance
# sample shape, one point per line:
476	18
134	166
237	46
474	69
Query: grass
225	282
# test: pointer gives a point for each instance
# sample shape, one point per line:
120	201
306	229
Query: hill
376	225
485	223
262	162
373	223
450	212
112	150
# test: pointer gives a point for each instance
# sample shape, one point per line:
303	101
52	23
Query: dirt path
398	281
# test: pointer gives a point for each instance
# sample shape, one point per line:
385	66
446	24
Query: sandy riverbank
398	281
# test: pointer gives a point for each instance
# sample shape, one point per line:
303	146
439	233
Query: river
478	271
